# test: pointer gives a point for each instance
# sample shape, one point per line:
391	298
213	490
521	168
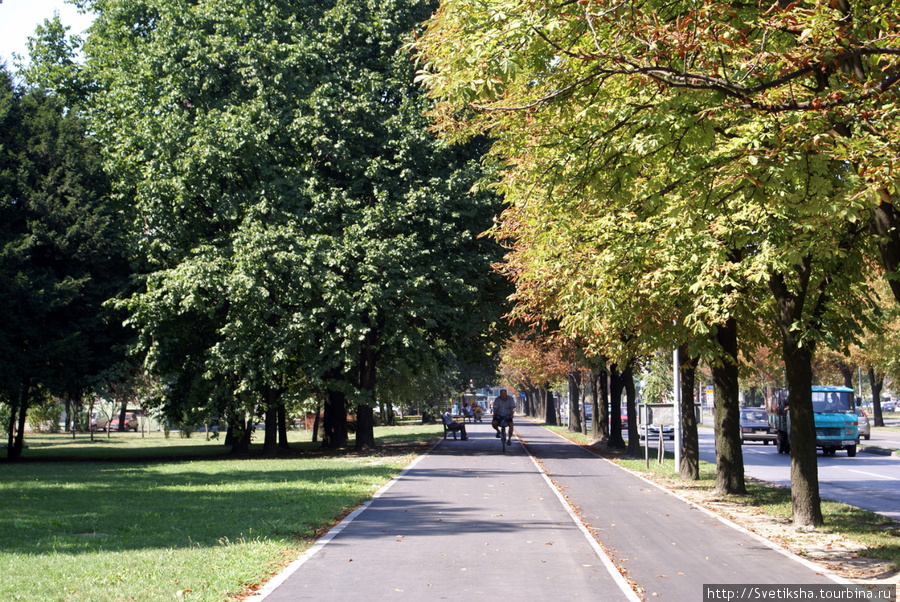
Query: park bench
448	431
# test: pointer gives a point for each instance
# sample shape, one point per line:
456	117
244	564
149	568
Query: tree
61	254
533	364
301	223
684	127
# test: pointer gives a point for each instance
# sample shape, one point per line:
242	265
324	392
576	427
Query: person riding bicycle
504	407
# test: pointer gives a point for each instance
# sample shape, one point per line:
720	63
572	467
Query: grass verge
127	518
853	542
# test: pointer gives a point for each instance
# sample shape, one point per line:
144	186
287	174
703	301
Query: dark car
755	426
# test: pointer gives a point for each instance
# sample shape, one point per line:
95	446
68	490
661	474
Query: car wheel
867	437
851	451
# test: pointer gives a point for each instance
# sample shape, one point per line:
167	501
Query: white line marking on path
784	551
281	577
611	568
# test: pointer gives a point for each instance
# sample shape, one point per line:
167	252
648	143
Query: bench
447	430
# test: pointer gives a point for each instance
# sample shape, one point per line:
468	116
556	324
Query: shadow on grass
186	496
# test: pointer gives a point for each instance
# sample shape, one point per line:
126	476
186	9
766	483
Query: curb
880	451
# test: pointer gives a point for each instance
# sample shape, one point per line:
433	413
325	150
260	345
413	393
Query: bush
45	416
4	419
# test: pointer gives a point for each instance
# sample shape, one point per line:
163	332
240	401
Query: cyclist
504	407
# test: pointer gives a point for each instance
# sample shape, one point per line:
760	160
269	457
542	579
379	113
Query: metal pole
862	400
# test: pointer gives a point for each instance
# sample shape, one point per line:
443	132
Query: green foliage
678	168
662	168
61	251
658	383
44	414
294	208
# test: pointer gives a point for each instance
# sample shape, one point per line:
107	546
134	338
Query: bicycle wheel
503	437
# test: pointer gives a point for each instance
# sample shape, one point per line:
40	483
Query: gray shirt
504	408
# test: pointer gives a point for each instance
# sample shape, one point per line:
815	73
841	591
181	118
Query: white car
865	429
668	432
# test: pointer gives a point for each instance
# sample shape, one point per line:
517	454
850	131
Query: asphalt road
468	520
465	521
869	481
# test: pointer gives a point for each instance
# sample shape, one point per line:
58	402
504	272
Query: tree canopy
703	164
302	225
61	254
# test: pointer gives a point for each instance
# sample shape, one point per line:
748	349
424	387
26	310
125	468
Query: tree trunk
805	499
11	433
573	378
317	420
847	373
634	442
531	401
238	435
729	455
272	398
600	406
690	442
69	422
615	402
19	440
877	384
885	223
123	413
282	427
334	420
797	356
365	415
550	408
365	427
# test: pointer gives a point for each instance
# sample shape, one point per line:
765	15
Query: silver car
865	429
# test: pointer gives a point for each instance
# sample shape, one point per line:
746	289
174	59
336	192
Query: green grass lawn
125	518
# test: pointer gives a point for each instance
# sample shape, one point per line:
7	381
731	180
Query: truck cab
835	419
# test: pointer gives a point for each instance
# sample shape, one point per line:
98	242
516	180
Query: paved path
468	520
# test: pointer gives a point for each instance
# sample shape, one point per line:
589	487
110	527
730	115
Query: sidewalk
467	519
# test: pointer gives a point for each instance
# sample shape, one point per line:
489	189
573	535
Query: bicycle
504	438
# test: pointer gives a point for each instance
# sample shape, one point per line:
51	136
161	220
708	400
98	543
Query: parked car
99	420
755	426
131	424
668	431
865	429
887	406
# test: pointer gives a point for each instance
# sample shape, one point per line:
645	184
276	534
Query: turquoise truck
835	419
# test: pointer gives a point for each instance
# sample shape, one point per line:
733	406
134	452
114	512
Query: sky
18	18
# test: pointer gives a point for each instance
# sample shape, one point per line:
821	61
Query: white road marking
872	474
